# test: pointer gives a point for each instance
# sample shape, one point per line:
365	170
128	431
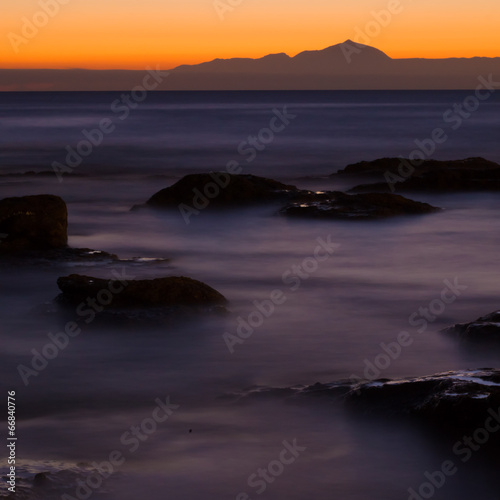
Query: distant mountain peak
345	65
349	42
342	54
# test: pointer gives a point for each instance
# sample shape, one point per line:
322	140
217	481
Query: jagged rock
338	205
458	401
220	189
33	223
484	329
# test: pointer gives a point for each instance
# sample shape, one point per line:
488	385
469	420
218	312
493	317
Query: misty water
76	411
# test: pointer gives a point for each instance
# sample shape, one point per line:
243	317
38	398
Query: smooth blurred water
76	410
177	132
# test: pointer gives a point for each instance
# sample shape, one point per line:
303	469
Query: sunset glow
138	33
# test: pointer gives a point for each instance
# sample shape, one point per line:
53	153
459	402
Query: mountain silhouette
337	58
347	65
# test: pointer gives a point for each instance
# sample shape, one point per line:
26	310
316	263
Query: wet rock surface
338	205
33	223
35	229
400	175
191	192
220	189
393	165
49	480
484	329
459	400
138	294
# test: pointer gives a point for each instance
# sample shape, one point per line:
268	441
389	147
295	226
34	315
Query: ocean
82	408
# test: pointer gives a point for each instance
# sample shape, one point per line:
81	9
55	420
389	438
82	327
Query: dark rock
472	174
456	401
484	329
35	228
338	205
335	390
33	223
248	189
392	165
240	190
40	480
139	294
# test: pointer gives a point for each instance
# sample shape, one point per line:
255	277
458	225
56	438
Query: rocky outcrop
34	229
219	189
137	294
199	191
400	175
48	480
33	223
338	205
400	166
453	399
458	401
484	329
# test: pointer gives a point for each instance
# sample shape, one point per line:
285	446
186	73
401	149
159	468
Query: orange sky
137	33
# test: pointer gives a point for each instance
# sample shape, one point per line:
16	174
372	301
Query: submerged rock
33	223
220	189
68	254
338	205
484	329
138	294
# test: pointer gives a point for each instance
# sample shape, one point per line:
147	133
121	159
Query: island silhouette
344	66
